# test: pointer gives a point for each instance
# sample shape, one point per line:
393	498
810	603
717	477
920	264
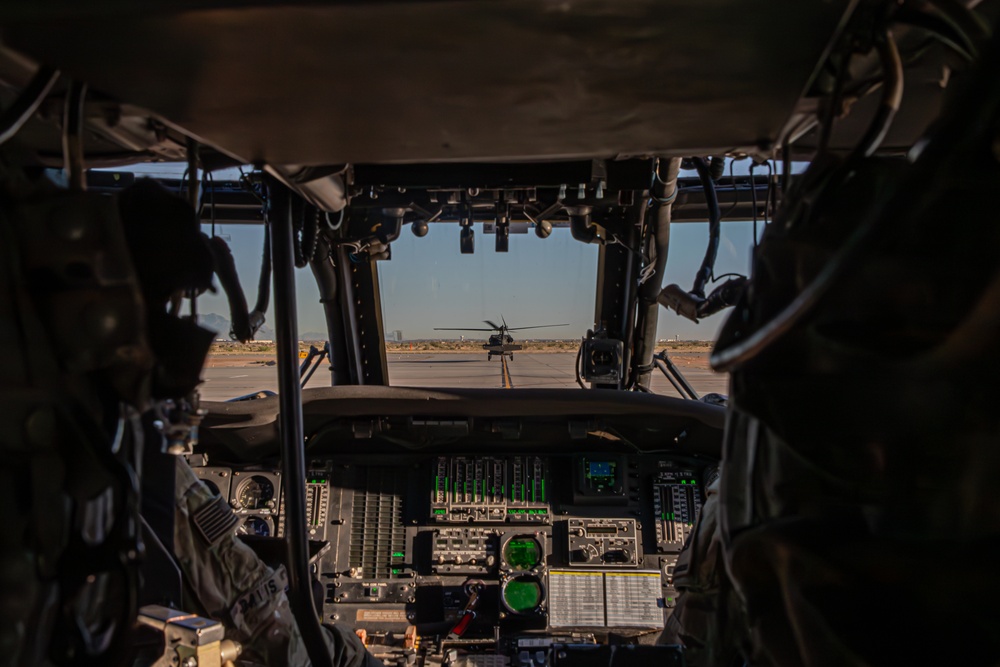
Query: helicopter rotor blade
459	329
493	324
540	326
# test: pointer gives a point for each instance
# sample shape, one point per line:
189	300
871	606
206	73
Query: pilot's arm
708	620
232	585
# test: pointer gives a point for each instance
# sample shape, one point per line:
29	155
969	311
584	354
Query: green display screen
521	595
522	553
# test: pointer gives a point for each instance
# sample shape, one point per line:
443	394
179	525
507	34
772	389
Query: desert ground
235	370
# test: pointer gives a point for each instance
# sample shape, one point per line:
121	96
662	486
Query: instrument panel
483	553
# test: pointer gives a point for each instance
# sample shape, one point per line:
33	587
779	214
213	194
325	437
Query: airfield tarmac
227	378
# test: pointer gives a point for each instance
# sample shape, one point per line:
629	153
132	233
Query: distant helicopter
501	343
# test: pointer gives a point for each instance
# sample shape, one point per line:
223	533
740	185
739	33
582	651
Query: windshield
429	285
485	319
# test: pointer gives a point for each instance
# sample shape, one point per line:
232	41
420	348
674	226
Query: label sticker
382	616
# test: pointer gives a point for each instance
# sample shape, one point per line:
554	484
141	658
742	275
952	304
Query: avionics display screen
600	469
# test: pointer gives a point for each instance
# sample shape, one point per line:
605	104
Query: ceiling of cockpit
449	80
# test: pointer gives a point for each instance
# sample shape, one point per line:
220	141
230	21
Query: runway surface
526	370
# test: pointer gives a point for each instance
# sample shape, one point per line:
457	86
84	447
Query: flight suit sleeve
234	586
708	619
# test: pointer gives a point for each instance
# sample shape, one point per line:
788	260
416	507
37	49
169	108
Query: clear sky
428	283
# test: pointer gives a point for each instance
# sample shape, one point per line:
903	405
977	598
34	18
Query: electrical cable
206	175
646	272
248	185
305	231
786	163
830	113
616	240
965	21
736	191
731	274
939	29
621	438
714	227
264	282
244	324
340	222
892	97
17	114
225	269
767	200
298	224
72	136
974	107
669	199
194	191
753	202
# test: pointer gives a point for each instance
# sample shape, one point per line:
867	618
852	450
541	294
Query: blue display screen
600	469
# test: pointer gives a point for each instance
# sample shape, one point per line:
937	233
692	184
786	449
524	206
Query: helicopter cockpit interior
837	506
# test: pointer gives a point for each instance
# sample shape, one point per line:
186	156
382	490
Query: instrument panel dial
255	525
255	493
